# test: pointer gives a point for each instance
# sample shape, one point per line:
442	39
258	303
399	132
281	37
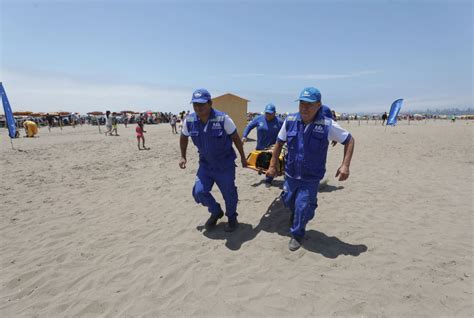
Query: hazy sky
362	55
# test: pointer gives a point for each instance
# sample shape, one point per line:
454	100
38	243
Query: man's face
269	116
308	110
202	109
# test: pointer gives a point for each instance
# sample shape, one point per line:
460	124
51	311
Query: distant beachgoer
139	130
50	120
31	129
181	120
453	118
114	125
384	118
173	120
73	120
108	123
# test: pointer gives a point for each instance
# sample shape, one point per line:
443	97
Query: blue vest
213	143
267	131
307	147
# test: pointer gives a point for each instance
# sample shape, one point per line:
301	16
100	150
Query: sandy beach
90	226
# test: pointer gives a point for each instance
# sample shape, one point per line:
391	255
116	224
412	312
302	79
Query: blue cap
270	108
310	94
201	95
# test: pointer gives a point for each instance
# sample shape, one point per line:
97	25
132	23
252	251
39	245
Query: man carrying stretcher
268	126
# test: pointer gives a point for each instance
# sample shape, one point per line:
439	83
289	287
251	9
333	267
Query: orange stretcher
259	160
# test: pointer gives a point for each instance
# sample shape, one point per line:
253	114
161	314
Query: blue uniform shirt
267	131
308	145
213	139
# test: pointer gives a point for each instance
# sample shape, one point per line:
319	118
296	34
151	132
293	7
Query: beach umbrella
96	113
26	113
38	114
59	114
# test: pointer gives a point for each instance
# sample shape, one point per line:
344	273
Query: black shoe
231	226
212	221
294	244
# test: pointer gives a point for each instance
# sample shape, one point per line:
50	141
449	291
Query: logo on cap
310	94
200	96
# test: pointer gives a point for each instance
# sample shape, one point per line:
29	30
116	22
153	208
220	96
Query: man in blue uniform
268	126
307	134
213	132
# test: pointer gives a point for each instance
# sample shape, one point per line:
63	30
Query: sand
90	226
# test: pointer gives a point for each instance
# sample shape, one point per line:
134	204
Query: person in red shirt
139	130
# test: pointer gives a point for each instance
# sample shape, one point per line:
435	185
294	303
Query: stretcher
259	160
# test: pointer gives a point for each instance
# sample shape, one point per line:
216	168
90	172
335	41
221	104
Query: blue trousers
301	198
225	180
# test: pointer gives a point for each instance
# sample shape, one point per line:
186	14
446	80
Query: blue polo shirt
267	131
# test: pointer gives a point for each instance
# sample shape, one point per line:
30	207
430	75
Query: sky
151	55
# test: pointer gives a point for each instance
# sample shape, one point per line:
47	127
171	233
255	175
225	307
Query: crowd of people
109	119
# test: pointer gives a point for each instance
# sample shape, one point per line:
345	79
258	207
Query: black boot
212	221
294	244
232	225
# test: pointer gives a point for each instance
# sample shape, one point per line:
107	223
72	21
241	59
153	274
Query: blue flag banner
394	110
8	113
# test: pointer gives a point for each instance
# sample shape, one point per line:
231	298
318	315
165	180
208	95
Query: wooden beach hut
235	107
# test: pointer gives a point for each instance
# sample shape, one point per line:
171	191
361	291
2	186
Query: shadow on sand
277	220
323	188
